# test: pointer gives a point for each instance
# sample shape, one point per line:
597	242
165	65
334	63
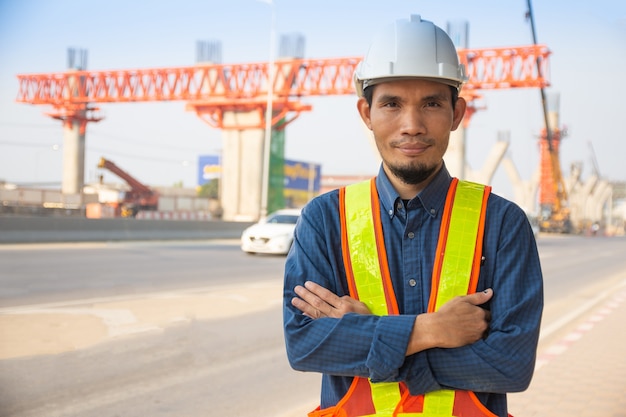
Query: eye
391	104
433	104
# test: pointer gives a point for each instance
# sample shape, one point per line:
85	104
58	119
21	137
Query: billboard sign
209	168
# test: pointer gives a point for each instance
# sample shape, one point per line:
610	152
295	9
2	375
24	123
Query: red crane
139	197
213	89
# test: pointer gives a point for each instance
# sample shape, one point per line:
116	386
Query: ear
459	112
364	112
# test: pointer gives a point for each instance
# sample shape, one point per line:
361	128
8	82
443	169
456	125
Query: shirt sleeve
354	345
504	360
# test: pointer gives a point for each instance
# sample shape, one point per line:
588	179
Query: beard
412	174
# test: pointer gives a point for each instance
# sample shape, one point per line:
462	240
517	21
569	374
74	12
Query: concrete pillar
455	155
524	191
485	174
579	196
456	163
73	158
74	141
242	168
595	203
604	200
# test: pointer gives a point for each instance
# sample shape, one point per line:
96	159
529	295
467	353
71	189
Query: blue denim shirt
373	346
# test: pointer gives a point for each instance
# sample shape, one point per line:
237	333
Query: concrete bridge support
485	174
456	162
524	192
455	155
242	167
599	198
73	157
580	194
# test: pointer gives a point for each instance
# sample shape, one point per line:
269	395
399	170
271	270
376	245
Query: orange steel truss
211	90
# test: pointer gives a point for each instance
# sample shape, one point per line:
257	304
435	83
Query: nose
412	122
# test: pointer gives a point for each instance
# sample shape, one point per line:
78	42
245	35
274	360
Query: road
194	328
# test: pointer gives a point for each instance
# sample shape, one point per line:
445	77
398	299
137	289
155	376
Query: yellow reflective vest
456	270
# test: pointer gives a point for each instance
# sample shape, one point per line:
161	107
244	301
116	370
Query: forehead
412	86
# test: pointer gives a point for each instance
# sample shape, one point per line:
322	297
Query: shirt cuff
417	375
388	349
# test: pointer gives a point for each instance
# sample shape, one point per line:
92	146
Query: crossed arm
337	336
459	322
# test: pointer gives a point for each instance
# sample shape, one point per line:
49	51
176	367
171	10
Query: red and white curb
174	215
566	342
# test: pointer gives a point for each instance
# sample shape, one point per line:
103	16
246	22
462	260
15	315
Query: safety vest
455	272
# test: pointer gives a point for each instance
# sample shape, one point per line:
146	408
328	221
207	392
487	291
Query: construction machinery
554	213
140	197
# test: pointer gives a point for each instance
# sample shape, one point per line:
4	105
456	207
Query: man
398	348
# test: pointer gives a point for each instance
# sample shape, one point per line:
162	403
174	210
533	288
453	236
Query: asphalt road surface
194	328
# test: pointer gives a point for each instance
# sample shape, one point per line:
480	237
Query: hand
316	301
459	322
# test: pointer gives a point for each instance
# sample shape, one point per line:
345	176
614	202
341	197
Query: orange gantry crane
213	89
217	91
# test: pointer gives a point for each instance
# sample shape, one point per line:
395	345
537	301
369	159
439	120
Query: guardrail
23	229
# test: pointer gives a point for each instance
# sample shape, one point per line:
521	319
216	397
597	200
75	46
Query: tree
210	189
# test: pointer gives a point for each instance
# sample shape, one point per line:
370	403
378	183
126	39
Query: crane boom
134	184
555	216
140	197
544	101
490	68
213	89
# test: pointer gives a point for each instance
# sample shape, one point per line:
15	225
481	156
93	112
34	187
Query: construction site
253	103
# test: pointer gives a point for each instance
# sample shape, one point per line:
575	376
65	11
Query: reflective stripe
362	248
386	396
456	270
438	404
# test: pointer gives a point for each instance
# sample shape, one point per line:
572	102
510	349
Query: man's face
411	121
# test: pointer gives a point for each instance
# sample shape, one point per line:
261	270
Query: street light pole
267	139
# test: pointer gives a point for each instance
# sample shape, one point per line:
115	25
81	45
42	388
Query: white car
274	234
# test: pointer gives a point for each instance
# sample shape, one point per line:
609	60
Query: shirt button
412	282
411	235
432	211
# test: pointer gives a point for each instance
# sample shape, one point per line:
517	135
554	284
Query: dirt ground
62	327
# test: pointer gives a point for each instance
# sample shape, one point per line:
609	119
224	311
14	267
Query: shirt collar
432	198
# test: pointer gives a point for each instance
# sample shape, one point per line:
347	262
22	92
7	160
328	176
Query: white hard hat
412	48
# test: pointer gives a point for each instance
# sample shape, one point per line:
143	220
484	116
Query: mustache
412	141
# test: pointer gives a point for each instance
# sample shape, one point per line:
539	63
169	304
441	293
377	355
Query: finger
323	293
315	302
480	297
306	308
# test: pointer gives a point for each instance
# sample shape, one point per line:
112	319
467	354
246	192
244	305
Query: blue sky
159	142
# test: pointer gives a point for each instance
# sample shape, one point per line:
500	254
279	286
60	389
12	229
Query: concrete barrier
24	229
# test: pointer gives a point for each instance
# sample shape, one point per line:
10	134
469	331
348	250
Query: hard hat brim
363	84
